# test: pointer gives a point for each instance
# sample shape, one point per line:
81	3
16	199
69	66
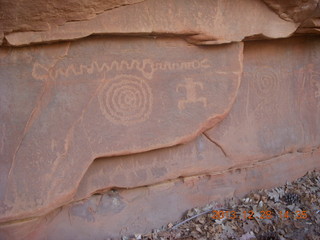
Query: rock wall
120	133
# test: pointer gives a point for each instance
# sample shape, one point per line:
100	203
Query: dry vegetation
288	212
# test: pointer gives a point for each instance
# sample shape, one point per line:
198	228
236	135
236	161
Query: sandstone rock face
205	22
256	129
258	146
296	10
197	157
208	22
305	12
41	15
113	135
277	110
102	98
255	144
140	209
310	26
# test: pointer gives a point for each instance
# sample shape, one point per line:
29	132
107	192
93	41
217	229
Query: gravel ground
291	211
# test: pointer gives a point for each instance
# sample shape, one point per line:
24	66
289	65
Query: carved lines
266	82
315	78
2	137
143	67
190	87
316	56
146	67
126	100
317	93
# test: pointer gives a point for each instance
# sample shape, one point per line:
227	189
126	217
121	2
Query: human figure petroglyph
190	87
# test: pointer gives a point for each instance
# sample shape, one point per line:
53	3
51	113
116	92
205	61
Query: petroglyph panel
277	107
74	102
274	113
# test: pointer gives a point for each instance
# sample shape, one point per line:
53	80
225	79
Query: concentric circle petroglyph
126	100
266	82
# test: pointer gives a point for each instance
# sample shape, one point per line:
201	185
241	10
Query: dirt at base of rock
288	212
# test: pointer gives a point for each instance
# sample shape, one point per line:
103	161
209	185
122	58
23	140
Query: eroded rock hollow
118	116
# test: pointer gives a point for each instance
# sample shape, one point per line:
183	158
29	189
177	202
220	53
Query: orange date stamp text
221	214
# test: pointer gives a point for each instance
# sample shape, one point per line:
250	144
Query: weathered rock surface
270	136
305	12
40	15
205	22
138	210
310	26
112	135
197	157
278	107
256	129
74	102
295	10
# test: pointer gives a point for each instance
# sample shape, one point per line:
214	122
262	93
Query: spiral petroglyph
126	100
266	82
266	86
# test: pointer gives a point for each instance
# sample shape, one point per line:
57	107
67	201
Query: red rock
142	209
133	114
204	22
278	105
305	12
139	210
197	157
256	129
311	25
295	10
38	15
193	174
74	102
